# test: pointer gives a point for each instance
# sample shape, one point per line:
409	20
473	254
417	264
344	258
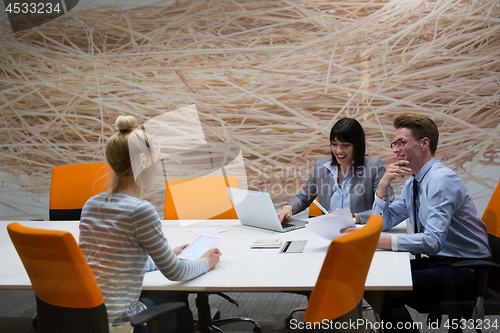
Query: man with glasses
446	225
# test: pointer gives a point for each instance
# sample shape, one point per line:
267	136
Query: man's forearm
384	243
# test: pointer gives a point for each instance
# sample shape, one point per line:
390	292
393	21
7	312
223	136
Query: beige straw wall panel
269	76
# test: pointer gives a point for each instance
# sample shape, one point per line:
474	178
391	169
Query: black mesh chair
486	275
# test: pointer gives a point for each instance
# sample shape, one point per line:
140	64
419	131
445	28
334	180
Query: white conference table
241	268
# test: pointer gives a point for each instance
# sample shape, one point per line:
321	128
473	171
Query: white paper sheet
329	225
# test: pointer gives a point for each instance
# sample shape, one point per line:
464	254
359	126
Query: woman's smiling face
343	152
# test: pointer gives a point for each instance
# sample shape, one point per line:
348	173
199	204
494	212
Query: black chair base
208	320
288	319
34	321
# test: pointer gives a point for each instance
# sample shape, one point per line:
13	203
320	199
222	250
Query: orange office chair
68	298
314	209
72	185
486	276
199	198
202	199
338	293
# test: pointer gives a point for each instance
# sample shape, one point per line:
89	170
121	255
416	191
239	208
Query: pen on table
323	209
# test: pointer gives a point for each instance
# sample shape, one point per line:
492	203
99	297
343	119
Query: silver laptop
255	209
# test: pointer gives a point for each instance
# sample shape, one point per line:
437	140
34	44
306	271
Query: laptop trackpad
293	223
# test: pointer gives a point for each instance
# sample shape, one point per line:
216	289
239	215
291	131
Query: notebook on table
256	209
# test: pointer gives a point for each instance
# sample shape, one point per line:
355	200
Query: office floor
269	309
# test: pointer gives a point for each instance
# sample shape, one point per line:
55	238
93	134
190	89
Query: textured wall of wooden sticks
270	76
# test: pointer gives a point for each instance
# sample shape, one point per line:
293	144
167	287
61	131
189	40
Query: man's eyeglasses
402	142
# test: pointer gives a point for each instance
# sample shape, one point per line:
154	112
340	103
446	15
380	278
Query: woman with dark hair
347	179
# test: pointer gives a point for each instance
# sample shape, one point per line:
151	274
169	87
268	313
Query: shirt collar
328	165
423	171
334	169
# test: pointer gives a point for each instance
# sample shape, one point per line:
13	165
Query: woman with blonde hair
119	232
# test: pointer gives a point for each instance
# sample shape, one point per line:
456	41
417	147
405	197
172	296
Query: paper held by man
329	225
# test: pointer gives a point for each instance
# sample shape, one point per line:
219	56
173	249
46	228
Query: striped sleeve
149	233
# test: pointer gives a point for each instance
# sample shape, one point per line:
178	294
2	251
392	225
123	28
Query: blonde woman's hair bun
125	123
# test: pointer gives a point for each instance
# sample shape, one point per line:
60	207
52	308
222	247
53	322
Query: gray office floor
269	309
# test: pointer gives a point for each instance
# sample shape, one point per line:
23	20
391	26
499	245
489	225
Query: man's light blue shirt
448	220
341	197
